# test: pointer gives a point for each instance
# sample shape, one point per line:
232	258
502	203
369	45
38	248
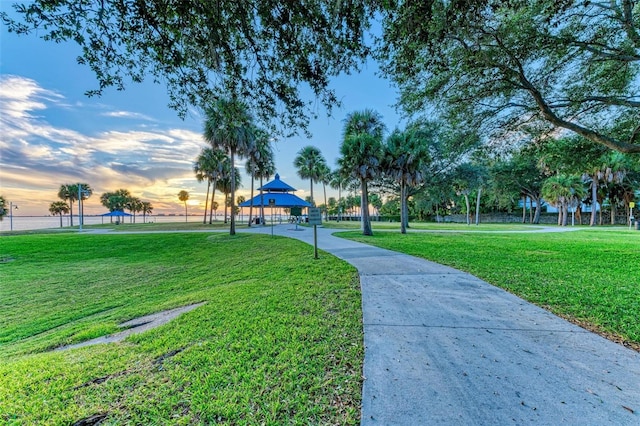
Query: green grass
163	226
591	277
279	340
132	227
432	226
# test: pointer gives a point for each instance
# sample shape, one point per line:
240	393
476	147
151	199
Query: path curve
444	347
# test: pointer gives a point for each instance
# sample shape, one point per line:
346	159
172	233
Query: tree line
231	131
431	169
114	201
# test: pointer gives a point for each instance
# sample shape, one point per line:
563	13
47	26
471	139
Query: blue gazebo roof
279	192
116	213
281	199
276	185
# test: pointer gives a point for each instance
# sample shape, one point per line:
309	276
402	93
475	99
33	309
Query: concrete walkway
444	347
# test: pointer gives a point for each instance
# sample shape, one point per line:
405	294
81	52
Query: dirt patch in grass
136	325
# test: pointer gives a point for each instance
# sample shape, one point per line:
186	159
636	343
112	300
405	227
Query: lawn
591	277
433	226
278	341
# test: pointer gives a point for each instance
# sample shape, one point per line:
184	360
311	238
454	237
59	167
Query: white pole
80	207
11	207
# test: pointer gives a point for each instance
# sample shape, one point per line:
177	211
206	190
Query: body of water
24	223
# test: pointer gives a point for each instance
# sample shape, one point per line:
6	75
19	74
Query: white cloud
19	95
127	114
39	154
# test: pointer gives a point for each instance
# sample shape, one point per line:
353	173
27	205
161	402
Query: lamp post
11	207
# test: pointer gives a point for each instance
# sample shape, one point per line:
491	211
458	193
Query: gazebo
119	214
276	194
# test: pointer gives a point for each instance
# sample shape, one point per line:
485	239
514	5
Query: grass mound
279	340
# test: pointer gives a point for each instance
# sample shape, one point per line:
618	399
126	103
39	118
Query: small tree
310	165
3	207
58	208
146	208
184	196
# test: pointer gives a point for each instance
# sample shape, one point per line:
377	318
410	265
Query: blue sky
53	134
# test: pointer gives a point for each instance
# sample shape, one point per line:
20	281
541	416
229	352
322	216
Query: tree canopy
506	69
520	66
263	51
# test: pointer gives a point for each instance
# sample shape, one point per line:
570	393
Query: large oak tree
518	66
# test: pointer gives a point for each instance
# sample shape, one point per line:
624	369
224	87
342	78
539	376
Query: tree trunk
403	208
364	205
326	210
313	202
71	211
339	203
213	196
226	207
261	203
478	206
536	216
524	208
613	211
60	219
594	199
251	203
466	201
206	201
600	203
232	228
579	214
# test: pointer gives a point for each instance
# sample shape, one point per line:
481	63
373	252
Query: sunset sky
53	134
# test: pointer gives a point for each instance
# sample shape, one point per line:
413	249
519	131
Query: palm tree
229	126
58	208
612	174
184	196
214	207
224	185
310	163
146	208
563	191
404	158
199	168
338	181
259	159
210	165
266	169
324	177
361	152
85	191
134	205
69	193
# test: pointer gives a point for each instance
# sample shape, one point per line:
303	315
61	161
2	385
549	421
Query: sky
52	134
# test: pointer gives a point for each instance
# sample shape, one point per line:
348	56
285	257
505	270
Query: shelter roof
281	199
116	213
277	185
